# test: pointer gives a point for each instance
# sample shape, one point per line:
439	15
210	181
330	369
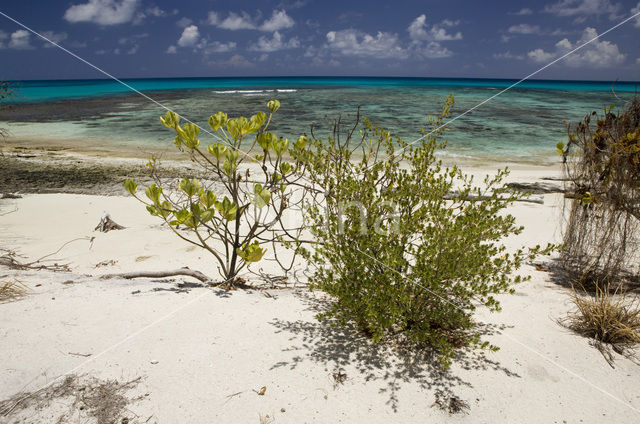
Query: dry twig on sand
103	400
107	224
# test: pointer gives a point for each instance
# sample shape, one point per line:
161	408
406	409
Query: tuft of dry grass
12	290
610	319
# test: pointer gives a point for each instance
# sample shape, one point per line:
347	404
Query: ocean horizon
522	124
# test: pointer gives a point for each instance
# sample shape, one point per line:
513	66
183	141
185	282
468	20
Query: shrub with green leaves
405	246
239	210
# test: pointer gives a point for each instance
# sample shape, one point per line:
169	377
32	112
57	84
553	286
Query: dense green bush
405	246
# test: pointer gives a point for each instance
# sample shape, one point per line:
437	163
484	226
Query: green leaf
207	198
227	209
217	149
273	105
285	168
217	121
130	186
252	252
234	130
153	193
170	120
190	188
300	143
262	196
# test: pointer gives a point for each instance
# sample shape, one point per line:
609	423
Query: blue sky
452	38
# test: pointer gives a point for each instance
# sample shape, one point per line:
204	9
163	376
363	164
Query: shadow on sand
338	347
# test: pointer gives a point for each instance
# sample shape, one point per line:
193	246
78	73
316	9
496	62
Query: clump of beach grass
611	319
12	290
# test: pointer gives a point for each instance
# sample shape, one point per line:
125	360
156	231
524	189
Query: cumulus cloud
420	31
20	40
56	37
524	29
190	36
103	12
434	50
598	54
508	55
219	47
236	61
277	42
184	22
584	8
633	12
235	22
523	12
153	11
278	21
356	43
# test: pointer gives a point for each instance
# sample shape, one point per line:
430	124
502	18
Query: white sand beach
204	354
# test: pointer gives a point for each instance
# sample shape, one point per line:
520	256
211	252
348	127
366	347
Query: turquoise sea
523	124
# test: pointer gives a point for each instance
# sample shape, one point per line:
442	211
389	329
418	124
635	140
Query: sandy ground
203	354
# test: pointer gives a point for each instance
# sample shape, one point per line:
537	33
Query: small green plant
239	210
406	247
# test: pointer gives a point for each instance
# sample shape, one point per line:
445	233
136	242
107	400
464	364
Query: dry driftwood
160	274
107	224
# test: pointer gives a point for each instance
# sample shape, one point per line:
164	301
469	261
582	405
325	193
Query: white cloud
3	36
276	43
20	40
236	61
524	29
219	47
184	22
154	11
190	37
352	42
420	31
634	11
508	55
426	40
235	22
56	37
278	20
598	54
523	12
103	12
212	18
583	8
434	50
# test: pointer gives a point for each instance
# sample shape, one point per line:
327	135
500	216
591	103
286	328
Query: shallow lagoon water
521	125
